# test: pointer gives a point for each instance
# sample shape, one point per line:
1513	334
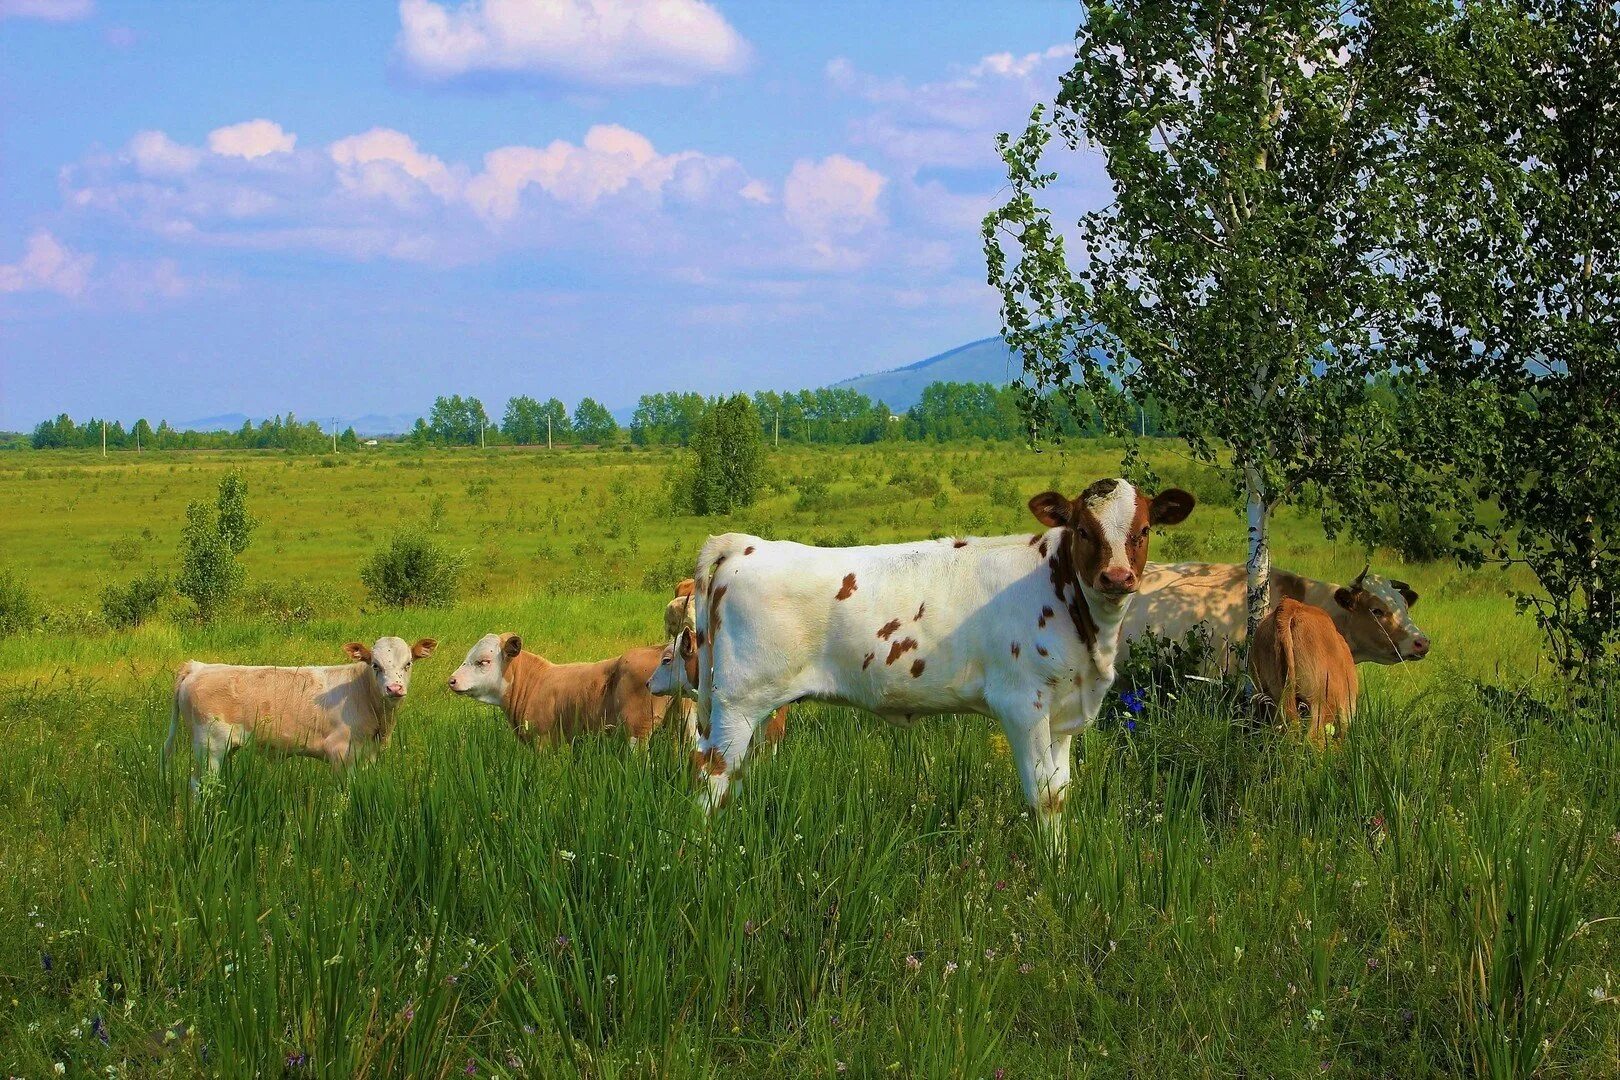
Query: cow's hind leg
210	742
720	756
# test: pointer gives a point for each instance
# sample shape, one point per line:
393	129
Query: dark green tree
730	457
594	424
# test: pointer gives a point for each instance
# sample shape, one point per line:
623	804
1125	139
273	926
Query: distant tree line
832	416
278	433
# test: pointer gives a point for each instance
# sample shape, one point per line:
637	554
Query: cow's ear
683	642
1406	592
1051	509
1345	598
1170	507
685	588
511	645
358	652
423	648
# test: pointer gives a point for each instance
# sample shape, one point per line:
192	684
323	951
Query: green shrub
213	538
730	449
283	602
131	604
413	570
1417	534
19	610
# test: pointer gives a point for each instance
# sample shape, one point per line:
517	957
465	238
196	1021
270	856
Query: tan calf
678	612
333	713
1298	655
549	702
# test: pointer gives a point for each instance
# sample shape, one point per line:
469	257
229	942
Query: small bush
591	579
124	606
814	494
1417	534
19	610
413	570
918	485
283	602
677	563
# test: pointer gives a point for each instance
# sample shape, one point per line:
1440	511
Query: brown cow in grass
1299	656
549	702
333	713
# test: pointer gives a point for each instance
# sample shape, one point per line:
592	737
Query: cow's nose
396	689
1420	646
452	682
1119	578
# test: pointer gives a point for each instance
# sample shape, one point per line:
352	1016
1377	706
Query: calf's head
1106	531
1376	620
390	659
483	674
677	668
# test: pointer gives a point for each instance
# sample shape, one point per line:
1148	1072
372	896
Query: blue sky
350	208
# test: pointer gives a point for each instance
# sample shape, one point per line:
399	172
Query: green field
1435	899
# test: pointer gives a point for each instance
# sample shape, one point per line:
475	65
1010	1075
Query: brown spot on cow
710	761
1046	613
868	661
1035	540
749	550
1042	549
1015	650
1052	802
887	629
916	668
959	544
1042	650
848	589
918	617
900	648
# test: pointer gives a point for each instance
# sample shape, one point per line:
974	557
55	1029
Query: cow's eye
376	667
1379	612
407	665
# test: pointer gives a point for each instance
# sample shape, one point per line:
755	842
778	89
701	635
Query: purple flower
472	1068
98	1028
297	1059
1134	702
1130	725
45	961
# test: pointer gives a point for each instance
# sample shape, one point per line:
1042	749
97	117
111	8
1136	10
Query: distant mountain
369	424
987	360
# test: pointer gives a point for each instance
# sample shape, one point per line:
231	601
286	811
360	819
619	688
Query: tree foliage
210	542
1242	275
413	570
594	424
730	457
457	421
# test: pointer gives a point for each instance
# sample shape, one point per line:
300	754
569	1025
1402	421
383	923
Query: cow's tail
1287	657
174	711
714	553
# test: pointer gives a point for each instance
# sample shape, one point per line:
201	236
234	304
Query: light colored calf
1023	629
1299	656
1373	614
332	713
677	675
551	702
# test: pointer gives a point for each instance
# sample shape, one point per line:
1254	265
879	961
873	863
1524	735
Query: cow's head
390	659
1107	529
483	673
677	668
1375	617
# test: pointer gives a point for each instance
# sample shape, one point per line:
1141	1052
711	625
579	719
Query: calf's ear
1051	509
511	645
685	588
424	647
1170	507
1345	598
358	652
683	642
1406	592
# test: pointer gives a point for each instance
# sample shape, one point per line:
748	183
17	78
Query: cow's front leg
720	757
1029	734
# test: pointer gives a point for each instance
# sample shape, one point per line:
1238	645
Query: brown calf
1298	655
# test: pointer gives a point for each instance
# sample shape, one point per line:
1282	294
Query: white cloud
585	42
49	265
156	154
836	196
384	162
48	10
611	159
251	139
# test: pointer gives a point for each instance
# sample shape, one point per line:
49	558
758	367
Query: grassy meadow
1438	898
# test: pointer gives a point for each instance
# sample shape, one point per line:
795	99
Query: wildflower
841	1067
528	1029
568	856
1130	725
1025	968
410	1011
1134	702
1315	1019
913	962
297	1059
561	941
1598	993
1001	886
98	1028
59	1069
1000	1073
1372	963
514	1062
472	1068
950	968
989	955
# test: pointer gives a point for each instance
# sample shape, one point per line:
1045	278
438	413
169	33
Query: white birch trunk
1259	562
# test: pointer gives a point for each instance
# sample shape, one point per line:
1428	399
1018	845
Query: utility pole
778	429
482	427
334	434
548	430
104	438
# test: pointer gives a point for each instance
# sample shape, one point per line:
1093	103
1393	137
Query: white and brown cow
1372	614
1023	629
333	713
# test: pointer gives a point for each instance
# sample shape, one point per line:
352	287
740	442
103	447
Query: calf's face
1380	627
483	674
677	668
1107	529
390	660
